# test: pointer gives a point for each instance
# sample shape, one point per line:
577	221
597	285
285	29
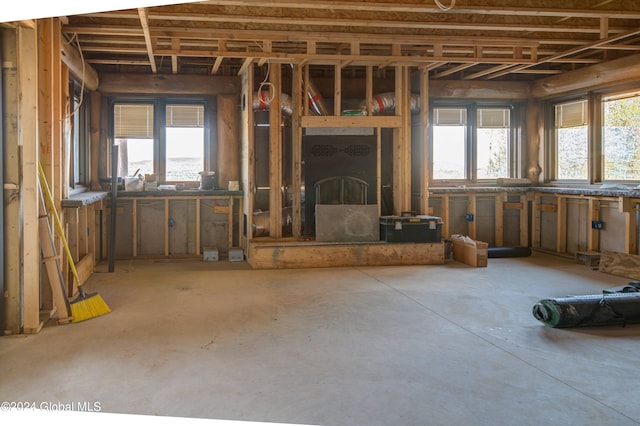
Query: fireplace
338	170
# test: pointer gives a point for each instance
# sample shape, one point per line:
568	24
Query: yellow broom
86	305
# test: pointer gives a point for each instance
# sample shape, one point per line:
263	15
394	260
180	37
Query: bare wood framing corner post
28	143
402	144
11	192
248	152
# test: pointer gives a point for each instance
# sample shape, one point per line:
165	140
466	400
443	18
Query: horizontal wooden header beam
391	121
617	71
155	84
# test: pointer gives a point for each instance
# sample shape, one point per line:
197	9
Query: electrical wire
265	82
443	7
75	36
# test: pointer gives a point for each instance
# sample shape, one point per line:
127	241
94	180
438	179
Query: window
473	143
162	138
493	137
572	140
621	137
449	143
134	133
80	137
184	155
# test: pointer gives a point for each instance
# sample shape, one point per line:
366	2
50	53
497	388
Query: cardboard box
476	253
470	251
458	247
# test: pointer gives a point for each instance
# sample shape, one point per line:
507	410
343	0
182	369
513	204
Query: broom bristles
88	306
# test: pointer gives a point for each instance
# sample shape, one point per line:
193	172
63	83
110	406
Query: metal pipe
315	100
386	102
262	101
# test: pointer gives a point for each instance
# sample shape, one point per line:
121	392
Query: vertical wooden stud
471	209
275	155
166	226
337	90
445	215
524	221
134	226
535	223
296	150
500	199
198	226
424	140
28	143
593	238
561	225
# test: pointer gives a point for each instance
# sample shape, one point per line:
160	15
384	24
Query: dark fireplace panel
340	169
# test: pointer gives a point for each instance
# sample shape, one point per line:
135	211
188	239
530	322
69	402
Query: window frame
159	130
595	123
79	121
515	166
551	152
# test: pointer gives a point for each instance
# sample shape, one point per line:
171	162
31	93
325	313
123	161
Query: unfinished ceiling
473	40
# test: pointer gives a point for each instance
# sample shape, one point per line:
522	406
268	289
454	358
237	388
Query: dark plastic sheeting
589	310
497	252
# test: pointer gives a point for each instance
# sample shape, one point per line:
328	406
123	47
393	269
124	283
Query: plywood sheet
621	264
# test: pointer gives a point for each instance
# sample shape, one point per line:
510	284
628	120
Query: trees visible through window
472	143
449	143
621	137
572	140
493	135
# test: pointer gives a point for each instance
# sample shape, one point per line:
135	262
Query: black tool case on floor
411	229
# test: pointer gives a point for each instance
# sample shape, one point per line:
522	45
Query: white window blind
133	121
450	116
572	114
493	118
180	115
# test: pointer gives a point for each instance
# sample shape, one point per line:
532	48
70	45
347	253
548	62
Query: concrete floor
435	345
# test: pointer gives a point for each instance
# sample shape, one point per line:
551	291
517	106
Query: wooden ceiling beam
175	45
144	22
453	70
380	23
570	52
373	23
307	37
245	65
428	7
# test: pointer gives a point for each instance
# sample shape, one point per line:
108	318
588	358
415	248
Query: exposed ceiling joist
473	40
144	22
